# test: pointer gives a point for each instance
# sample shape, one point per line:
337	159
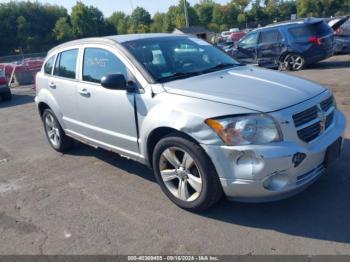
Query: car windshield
2	73
172	58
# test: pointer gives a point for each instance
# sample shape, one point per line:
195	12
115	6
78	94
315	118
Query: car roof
133	37
303	21
113	39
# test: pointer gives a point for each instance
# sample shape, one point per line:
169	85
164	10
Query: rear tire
7	96
292	62
189	179
54	132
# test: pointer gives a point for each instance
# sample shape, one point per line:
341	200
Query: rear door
247	48
63	85
271	44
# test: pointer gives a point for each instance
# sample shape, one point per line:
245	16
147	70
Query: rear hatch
341	25
317	33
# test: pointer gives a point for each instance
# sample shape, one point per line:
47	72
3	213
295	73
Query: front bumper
258	173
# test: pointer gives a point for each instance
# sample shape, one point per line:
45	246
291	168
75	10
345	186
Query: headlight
246	130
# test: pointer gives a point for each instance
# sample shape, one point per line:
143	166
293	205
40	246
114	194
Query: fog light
298	158
276	182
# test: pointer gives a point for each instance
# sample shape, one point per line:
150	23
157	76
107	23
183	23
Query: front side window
170	58
249	40
49	65
66	64
99	63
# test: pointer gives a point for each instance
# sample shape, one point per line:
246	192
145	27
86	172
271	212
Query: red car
5	92
236	36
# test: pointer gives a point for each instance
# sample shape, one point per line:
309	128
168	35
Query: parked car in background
225	35
341	26
236	36
233	35
226	46
292	44
206	124
5	92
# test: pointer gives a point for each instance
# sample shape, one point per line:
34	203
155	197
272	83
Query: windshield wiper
181	75
219	67
177	75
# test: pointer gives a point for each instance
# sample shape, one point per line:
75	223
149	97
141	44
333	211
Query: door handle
52	85
84	92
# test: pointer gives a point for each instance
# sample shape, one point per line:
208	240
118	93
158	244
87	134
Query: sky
109	6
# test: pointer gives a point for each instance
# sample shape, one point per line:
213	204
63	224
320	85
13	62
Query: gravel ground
94	202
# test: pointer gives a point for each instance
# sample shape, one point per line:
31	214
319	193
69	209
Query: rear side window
100	62
66	64
316	29
49	65
272	36
301	31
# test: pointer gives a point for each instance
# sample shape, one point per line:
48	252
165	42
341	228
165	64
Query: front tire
54	132
185	173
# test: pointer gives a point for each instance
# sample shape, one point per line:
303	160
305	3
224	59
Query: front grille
313	121
309	133
305	116
329	119
327	104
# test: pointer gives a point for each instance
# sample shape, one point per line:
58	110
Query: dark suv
289	44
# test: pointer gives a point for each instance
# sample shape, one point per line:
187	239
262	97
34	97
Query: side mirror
114	81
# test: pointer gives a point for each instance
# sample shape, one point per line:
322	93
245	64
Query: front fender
184	114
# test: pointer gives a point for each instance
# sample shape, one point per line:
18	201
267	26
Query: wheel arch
41	107
160	132
46	100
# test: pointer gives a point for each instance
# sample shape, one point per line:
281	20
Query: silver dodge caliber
206	124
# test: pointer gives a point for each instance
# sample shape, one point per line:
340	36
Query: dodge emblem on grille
323	117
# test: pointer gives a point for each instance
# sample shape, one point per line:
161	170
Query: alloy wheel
295	62
180	174
52	130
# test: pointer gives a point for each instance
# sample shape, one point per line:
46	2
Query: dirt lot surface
95	202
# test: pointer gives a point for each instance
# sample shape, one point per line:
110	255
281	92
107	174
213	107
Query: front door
106	116
247	48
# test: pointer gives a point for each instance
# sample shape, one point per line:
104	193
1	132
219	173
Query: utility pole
186	14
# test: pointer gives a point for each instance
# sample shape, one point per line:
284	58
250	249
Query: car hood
249	87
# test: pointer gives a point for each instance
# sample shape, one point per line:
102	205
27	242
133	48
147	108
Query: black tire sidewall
203	163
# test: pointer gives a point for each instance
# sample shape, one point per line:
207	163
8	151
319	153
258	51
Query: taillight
315	40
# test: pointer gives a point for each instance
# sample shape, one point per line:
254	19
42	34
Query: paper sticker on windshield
199	41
